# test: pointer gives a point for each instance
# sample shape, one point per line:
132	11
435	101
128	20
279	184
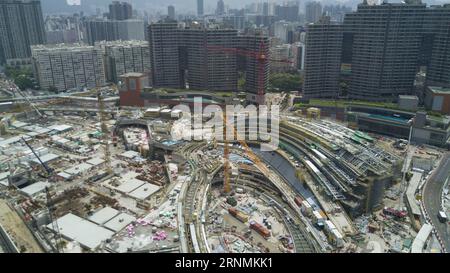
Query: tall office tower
120	11
381	47
123	57
21	25
256	71
437	45
68	66
171	12
287	12
313	11
220	10
110	30
265	8
199	7
165	56
322	60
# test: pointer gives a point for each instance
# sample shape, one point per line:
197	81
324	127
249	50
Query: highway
432	198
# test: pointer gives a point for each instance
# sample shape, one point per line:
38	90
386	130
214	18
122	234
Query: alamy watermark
208	123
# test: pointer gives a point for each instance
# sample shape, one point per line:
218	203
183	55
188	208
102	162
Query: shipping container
260	229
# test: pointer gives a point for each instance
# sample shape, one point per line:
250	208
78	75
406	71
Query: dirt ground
17	229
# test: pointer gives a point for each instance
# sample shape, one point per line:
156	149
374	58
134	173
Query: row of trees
285	82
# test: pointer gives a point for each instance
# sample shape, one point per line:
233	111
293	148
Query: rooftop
88	234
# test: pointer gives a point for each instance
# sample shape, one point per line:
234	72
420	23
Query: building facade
120	11
111	30
322	60
384	42
21	25
199	7
437	34
122	57
201	58
313	11
383	47
65	67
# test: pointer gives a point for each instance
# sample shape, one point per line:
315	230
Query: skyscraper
21	25
200	7
165	55
120	11
287	12
212	70
256	71
313	11
171	12
111	30
383	47
220	10
265	8
437	48
384	43
181	57
322	60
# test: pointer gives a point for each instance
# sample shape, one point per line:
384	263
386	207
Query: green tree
285	81
23	82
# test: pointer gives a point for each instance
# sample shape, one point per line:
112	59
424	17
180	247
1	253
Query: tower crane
49	203
261	59
105	131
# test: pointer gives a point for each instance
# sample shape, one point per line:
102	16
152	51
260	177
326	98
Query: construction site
80	173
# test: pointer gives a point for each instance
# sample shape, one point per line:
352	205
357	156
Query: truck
298	200
241	216
442	216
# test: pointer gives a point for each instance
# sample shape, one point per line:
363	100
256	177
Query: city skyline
55	6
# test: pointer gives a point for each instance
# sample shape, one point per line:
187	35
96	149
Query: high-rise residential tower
123	57
384	43
203	58
21	25
120	11
322	60
68	66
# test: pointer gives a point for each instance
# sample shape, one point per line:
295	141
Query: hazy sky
54	6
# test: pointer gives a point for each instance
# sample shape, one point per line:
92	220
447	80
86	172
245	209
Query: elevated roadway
432	200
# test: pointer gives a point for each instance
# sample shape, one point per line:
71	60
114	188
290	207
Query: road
432	198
